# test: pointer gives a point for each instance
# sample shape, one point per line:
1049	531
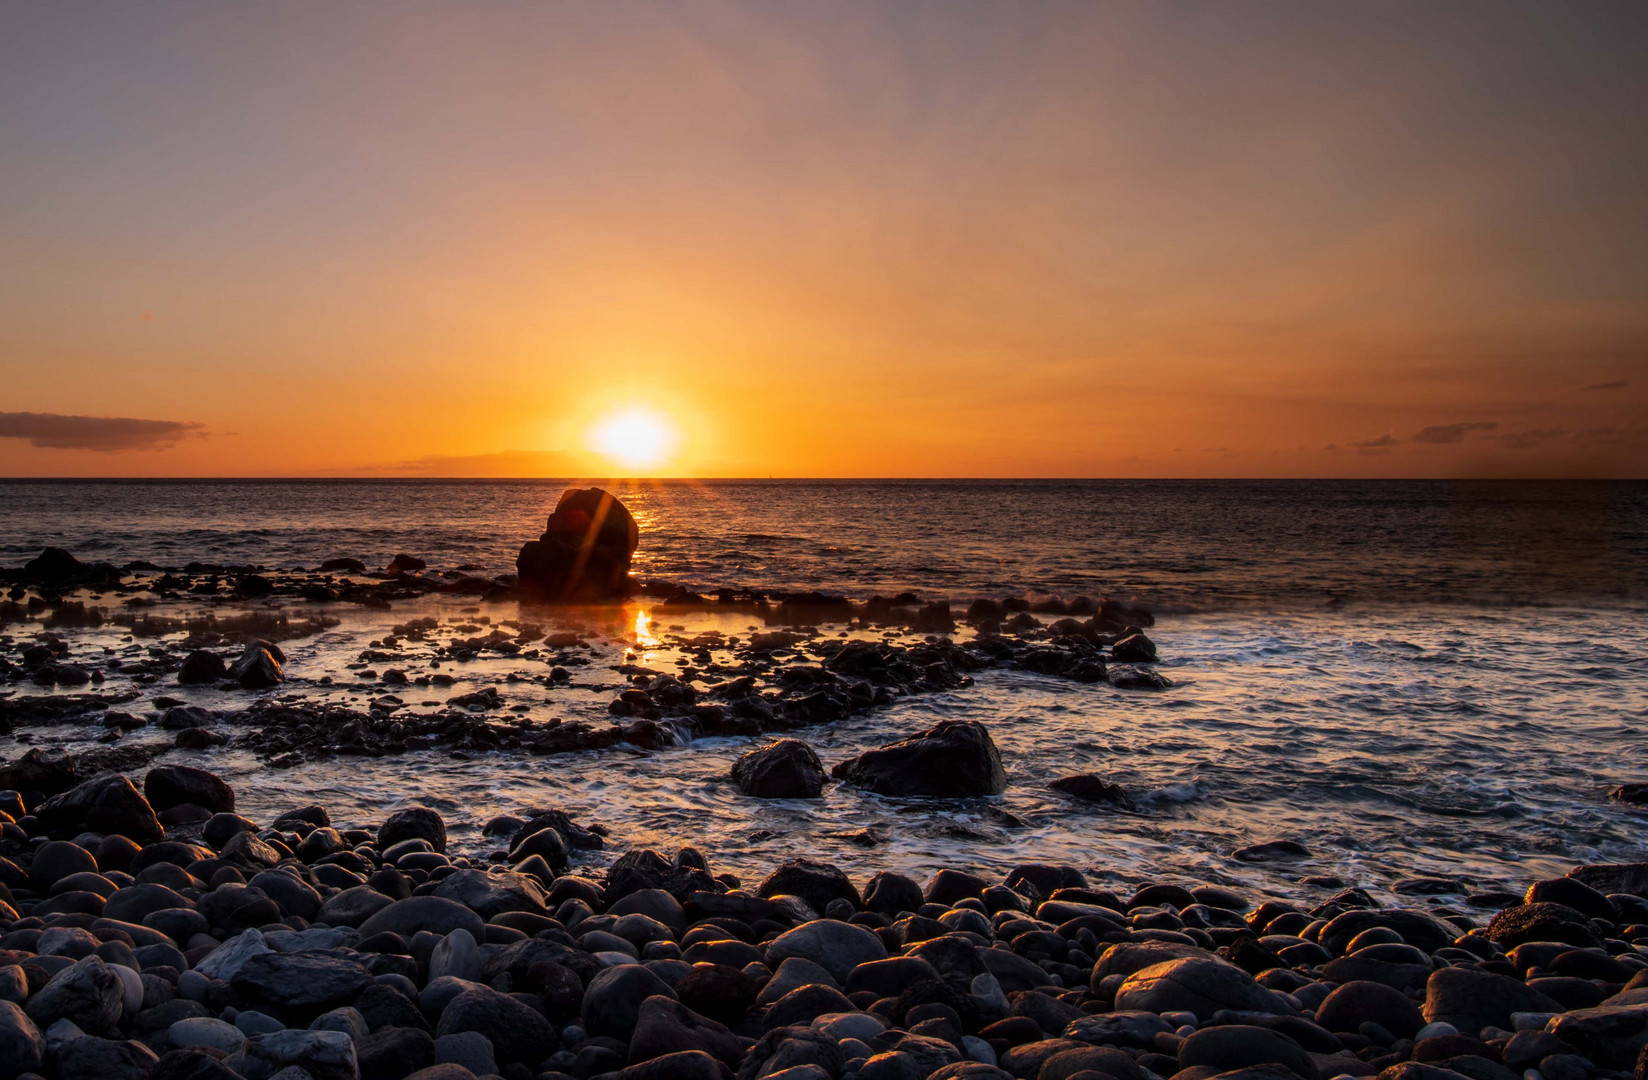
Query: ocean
1411	679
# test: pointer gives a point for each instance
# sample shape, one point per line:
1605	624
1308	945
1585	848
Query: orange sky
946	239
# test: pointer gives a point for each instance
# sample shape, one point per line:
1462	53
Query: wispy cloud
105	434
1381	443
1527	440
1452	433
1617	384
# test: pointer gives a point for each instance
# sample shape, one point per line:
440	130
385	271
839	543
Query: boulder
491	893
952	759
1542	922
86	1057
815	882
1471	999
200	667
22	1050
49	772
167	786
1198	985
259	666
786	769
1358	1002
517	1031
390	1053
324	1055
417	823
1090	787
837	947
433	913
585	551
88	993
1239	1046
665	1026
304	983
104	804
613	999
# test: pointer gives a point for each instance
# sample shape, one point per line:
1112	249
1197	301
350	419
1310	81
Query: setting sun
634	438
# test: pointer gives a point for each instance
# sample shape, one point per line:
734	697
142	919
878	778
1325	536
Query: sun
634	438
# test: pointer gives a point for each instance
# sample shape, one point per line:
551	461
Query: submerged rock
585	551
259	666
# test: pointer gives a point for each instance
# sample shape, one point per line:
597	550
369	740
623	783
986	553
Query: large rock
786	769
1418	928
585	551
1355	1003
87	992
259	666
952	759
490	894
665	1026
612	1002
200	667
167	786
837	947
1198	985
1611	1036
86	1057
324	1055
48	772
1238	1046
305	983
104	804
436	914
1629	878
815	882
518	1032
1471	999
22	1050
1542	922
417	823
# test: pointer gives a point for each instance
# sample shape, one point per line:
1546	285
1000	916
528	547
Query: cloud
1380	443
105	434
1617	384
1452	433
1526	440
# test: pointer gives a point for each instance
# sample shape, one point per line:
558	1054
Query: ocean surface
1409	678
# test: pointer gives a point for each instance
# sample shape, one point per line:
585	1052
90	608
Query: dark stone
585	551
815	882
1542	922
612	1000
417	823
1575	894
786	769
49	772
167	786
433	913
1355	1003
106	804
492	894
88	993
87	1057
1090	787
805	1004
1238	1046
518	1032
1134	649
952	759
392	1052
1471	999
892	894
665	1026
259	666
719	991
1201	986
22	1049
200	667
306	983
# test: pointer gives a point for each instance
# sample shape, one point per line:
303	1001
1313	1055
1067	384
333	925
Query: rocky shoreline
301	948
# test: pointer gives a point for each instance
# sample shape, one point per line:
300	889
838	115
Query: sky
819	239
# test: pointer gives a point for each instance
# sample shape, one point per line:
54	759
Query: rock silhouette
585	551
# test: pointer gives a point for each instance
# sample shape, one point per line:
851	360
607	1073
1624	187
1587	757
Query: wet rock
105	804
201	667
585	551
1471	999
1541	922
816	882
22	1049
323	1055
166	786
1200	986
88	993
1574	894
406	564
837	947
518	1032
1355	1003
892	894
417	823
433	913
1134	649
491	894
613	999
952	759
1090	787
787	769
50	772
665	1026
259	666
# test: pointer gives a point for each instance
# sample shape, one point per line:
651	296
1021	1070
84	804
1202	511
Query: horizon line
298	479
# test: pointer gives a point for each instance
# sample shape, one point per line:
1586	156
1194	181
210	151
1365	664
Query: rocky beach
352	822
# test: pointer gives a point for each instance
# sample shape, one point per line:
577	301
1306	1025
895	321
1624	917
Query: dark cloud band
105	434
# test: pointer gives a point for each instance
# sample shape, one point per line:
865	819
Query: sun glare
634	439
